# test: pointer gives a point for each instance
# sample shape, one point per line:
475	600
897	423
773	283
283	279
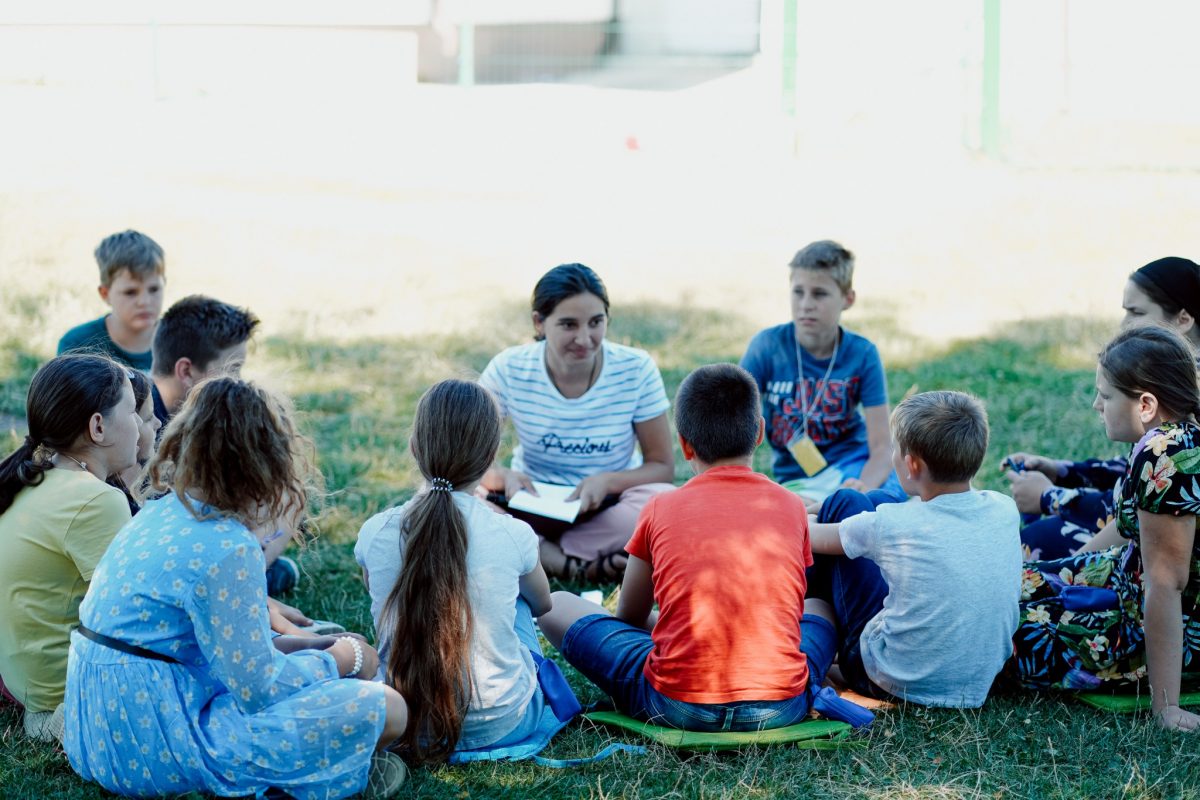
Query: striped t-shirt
565	440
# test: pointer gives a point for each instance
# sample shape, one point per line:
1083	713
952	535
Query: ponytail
456	431
429	658
25	467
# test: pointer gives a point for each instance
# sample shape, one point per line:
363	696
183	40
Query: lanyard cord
806	407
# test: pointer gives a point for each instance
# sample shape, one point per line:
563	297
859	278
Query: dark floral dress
1081	617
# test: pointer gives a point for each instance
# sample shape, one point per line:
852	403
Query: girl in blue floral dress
173	683
1127	606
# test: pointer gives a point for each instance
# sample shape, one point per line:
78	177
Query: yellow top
51	539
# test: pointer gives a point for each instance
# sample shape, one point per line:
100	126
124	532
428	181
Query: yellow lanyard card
805	451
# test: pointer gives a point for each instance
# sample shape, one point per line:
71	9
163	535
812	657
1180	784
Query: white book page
550	501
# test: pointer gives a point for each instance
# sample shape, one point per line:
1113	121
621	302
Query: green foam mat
814	734
1129	703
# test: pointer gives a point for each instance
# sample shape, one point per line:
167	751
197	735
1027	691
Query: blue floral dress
1081	617
234	716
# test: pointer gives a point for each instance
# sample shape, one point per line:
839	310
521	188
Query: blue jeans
612	654
853	586
890	492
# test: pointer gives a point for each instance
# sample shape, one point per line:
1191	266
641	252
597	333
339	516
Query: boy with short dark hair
949	565
200	337
197	338
814	376
733	646
132	274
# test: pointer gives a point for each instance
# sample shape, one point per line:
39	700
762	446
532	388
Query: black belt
117	644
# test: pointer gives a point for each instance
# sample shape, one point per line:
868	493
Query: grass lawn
357	399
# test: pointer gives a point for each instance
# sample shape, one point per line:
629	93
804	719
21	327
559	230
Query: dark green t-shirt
93	337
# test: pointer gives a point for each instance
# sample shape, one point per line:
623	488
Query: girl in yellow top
57	517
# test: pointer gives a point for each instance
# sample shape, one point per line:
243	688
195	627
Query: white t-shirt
953	570
500	550
565	440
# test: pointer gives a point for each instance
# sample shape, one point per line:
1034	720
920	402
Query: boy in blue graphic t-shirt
823	387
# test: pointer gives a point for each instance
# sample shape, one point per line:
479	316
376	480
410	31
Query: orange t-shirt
727	553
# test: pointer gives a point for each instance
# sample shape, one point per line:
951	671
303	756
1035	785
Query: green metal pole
989	117
466	54
788	59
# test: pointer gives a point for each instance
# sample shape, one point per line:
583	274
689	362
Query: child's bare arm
637	594
535	590
824	539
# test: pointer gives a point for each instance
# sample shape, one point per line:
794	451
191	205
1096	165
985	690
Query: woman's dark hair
63	396
565	280
1157	360
455	434
1158	277
141	388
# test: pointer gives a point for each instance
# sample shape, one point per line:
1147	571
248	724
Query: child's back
728	552
952	567
454	589
500	550
730	648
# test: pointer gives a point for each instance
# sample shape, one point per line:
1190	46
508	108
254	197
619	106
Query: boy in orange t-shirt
731	647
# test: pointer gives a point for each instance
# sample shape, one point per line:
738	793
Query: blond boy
823	387
925	592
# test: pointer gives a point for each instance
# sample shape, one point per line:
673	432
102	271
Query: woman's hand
591	491
1174	718
516	481
1050	467
1027	488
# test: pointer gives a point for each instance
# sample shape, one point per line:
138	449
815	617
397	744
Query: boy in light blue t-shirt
823	387
925	592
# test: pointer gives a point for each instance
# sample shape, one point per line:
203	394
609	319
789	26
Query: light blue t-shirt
836	424
953	570
564	440
500	550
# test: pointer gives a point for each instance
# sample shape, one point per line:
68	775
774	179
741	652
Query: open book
550	501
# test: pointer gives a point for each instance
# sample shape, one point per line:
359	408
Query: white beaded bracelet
358	657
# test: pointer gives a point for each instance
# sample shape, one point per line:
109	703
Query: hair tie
440	485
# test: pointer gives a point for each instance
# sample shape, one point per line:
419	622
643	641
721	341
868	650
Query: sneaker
45	726
282	576
388	773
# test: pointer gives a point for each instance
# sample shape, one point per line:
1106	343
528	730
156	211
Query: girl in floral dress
173	684
1127	606
1076	497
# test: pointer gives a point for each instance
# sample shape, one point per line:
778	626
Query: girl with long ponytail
454	588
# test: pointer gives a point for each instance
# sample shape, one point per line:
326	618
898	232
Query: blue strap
612	749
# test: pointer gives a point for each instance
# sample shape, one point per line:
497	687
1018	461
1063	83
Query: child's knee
396	716
843	504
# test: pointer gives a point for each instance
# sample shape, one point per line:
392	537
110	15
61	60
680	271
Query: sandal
608	568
